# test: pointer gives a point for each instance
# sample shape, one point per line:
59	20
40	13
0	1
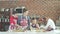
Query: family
24	21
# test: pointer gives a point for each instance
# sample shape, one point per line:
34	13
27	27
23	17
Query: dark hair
35	18
44	18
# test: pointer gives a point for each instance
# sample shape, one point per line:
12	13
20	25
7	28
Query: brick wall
40	7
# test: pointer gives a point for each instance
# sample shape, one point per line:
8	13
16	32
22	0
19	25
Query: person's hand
37	26
49	28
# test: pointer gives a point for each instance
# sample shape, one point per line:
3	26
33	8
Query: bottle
0	19
5	20
8	19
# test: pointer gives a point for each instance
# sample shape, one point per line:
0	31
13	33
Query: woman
24	19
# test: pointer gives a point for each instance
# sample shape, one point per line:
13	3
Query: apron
24	22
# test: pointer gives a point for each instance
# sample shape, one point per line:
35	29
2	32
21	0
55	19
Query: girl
34	23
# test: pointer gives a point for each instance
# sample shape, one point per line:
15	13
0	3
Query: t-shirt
13	20
50	23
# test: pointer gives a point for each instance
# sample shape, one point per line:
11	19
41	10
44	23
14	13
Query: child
13	22
34	23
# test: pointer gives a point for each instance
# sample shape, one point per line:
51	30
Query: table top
32	32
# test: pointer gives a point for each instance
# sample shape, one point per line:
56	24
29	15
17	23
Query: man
50	25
